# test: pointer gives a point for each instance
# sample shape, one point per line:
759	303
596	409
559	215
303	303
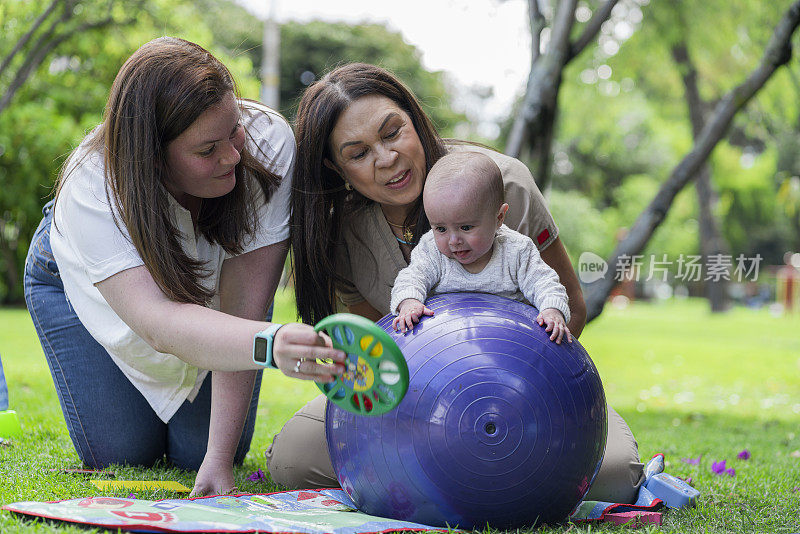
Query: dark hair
468	169
157	94
319	199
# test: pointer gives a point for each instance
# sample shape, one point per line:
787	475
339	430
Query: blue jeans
108	420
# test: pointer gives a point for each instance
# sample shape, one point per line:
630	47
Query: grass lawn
689	384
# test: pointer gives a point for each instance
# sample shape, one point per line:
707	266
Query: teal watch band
263	342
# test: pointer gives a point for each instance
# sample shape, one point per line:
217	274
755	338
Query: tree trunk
545	73
777	53
712	243
534	124
542	143
51	38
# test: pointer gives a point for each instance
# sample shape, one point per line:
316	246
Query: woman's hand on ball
300	352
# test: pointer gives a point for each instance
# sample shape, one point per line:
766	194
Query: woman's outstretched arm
247	286
221	342
203	337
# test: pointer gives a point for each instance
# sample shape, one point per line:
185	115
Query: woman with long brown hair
365	147
158	261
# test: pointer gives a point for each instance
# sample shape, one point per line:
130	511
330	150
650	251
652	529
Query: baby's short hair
469	169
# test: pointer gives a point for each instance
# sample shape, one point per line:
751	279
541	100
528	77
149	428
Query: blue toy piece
3	389
500	425
673	491
654	466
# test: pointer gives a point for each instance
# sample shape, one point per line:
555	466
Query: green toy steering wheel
376	374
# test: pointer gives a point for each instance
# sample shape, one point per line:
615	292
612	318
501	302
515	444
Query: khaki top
370	257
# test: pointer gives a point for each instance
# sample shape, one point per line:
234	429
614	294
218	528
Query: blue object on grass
654	466
3	388
500	425
673	491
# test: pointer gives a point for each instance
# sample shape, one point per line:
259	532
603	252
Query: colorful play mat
326	511
312	512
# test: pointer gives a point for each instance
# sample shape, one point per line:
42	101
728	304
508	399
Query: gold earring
348	186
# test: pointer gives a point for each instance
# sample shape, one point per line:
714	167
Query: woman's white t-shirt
89	248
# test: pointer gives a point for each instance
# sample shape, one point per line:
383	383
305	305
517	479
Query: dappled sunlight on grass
677	355
690	384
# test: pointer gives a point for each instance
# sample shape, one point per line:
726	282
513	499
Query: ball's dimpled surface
500	425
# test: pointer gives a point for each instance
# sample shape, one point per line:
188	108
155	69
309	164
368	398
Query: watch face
260	350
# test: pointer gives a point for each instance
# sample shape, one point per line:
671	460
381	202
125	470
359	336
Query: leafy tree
58	63
622	103
37	123
310	49
776	54
696	66
535	121
53	101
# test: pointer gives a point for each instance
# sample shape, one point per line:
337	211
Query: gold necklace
408	235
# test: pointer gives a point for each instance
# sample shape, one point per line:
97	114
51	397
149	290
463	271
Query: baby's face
463	230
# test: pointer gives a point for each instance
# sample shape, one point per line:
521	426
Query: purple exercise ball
500	425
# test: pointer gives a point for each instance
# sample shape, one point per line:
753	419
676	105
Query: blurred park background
664	135
618	96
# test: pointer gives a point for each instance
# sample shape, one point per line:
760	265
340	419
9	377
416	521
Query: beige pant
298	456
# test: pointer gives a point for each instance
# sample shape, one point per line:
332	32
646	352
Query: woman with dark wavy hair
157	262
364	150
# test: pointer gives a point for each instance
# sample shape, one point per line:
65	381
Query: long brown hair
319	199
157	94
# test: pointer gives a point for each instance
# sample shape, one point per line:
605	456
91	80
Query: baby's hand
409	313
555	322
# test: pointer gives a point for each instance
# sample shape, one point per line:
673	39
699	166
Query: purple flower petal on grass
718	467
692	461
730	471
131	496
744	455
256	476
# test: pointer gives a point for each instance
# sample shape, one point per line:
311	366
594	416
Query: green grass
688	383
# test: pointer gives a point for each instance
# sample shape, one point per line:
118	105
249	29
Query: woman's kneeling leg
621	472
298	456
107	418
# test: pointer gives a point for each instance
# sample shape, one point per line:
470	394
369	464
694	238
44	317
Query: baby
470	249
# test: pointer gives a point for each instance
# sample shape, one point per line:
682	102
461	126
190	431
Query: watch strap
268	334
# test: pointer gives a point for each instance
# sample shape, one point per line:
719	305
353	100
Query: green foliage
32	139
583	227
677	234
638	126
317	47
747	186
668	369
590	231
627	138
65	96
310	49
